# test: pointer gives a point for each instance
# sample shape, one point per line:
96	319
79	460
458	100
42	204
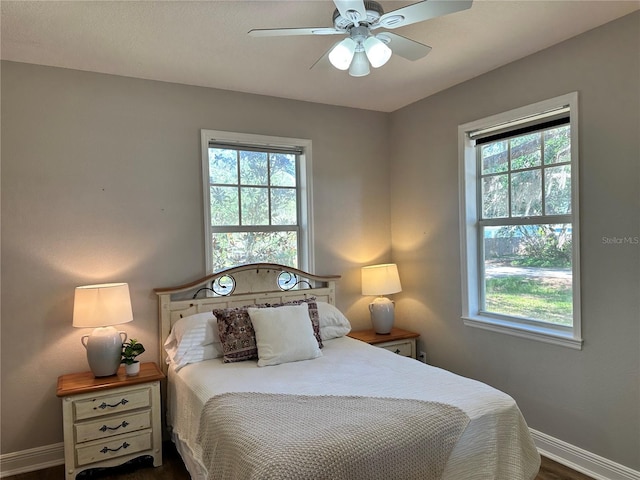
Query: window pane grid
491	174
254	205
525	272
524	234
254	199
230	248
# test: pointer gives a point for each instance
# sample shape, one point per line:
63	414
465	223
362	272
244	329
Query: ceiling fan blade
323	61
284	32
353	10
421	11
403	46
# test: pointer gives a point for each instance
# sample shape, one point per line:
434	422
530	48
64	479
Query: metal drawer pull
397	350
104	405
106	449
104	428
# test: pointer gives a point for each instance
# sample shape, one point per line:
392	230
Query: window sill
539	333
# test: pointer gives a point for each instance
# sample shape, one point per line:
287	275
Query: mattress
496	443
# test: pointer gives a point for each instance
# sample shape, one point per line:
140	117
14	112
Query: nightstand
402	342
110	420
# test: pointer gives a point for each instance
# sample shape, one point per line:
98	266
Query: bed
315	403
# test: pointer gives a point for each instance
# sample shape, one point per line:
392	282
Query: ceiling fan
358	19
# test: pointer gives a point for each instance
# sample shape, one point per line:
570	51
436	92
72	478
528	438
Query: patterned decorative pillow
238	336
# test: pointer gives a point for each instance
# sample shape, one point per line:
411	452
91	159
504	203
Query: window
519	222
257	199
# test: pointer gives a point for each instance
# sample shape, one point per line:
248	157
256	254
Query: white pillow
284	334
194	355
333	323
199	328
193	339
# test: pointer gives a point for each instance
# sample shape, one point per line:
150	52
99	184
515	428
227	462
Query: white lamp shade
380	279
342	54
360	65
102	305
377	52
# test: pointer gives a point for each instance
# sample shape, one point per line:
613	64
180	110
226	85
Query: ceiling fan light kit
342	54
377	52
357	51
359	66
357	19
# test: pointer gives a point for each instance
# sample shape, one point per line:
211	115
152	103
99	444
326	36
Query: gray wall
589	398
101	181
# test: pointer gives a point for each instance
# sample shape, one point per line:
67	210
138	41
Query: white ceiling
205	43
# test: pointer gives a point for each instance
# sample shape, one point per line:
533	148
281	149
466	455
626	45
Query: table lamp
381	280
101	306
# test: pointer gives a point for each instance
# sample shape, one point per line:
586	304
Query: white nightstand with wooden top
110	420
402	342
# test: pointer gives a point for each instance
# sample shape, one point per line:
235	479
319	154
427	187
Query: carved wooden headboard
235	287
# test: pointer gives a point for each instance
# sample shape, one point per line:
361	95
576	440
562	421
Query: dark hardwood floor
173	469
551	470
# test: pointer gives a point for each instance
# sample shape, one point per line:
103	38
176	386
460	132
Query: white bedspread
495	445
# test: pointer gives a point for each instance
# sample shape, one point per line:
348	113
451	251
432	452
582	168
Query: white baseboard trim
31	460
562	452
581	460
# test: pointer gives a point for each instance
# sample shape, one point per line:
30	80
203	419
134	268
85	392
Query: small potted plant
130	350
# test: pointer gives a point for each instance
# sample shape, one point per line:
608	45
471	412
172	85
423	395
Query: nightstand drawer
405	349
117	447
108	404
108	427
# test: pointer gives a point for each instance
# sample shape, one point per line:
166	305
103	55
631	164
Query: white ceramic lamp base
104	350
382	315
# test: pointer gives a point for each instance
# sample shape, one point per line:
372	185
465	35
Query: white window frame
306	259
469	238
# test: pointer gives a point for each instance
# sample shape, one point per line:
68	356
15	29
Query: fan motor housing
374	12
